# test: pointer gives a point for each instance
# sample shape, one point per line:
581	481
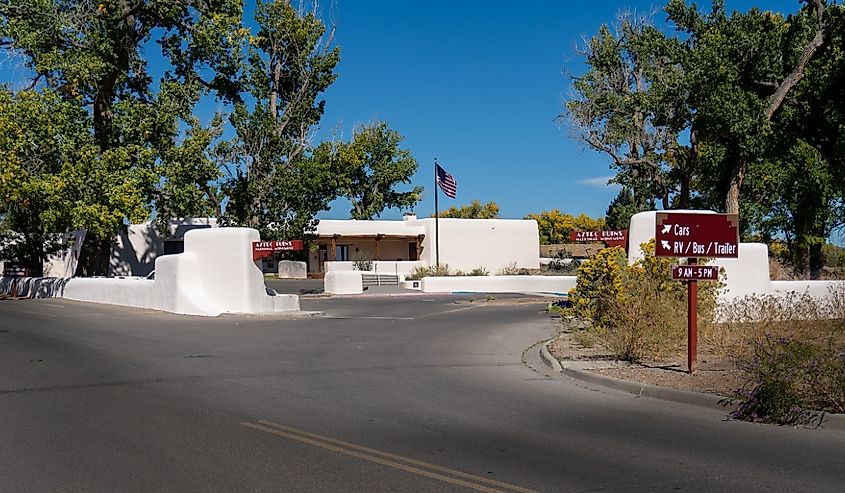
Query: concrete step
379	280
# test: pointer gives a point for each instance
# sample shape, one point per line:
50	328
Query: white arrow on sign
665	245
666	228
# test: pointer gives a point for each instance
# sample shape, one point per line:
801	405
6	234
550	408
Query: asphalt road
382	394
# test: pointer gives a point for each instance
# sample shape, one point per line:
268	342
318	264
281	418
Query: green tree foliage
630	105
751	90
92	55
375	164
741	68
621	208
41	142
554	226
475	210
275	182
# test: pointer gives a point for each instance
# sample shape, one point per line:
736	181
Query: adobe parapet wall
215	275
746	275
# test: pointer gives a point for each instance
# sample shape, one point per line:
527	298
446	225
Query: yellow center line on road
387	459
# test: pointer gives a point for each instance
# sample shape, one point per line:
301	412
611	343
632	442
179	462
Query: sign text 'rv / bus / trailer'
681	234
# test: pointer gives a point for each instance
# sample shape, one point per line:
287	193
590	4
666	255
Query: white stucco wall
493	244
343	282
380	267
746	275
137	248
557	285
135	251
215	274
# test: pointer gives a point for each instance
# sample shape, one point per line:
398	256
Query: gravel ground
713	376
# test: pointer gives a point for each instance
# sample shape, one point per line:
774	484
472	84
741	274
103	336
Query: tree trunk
816	260
777	99
684	195
35	260
94	257
734	186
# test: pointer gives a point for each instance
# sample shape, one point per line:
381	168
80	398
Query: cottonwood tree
373	166
742	68
475	210
630	104
92	54
275	182
805	164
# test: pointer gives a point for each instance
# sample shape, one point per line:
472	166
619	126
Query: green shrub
637	312
791	348
431	271
362	261
479	271
791	380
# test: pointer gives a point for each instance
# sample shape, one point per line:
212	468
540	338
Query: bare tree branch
797	73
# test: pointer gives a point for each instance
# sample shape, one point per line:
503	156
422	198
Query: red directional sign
695	272
262	249
681	234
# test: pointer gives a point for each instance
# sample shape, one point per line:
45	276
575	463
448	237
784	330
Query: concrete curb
826	420
275	315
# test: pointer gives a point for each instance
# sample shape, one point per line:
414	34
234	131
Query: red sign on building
611	238
14	269
695	272
681	234
261	249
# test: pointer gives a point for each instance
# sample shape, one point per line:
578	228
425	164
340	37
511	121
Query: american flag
446	182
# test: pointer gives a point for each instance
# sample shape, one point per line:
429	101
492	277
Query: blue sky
479	85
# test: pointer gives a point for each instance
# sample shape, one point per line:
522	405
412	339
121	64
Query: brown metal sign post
681	234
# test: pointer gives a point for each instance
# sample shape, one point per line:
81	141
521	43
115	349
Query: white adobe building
398	247
394	246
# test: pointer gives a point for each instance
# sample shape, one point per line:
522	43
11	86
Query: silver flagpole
436	220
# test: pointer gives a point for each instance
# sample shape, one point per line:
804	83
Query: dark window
342	253
173	246
412	250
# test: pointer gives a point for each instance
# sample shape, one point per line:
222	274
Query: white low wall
34	287
215	275
291	269
343	282
558	285
816	289
136	292
748	274
401	268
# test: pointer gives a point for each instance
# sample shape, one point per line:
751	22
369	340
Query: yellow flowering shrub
598	278
637	311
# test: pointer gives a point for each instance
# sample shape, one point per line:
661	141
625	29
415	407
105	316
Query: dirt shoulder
713	376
